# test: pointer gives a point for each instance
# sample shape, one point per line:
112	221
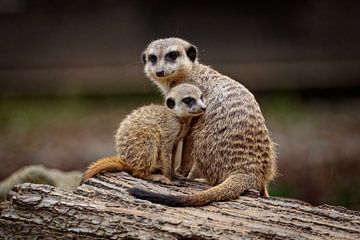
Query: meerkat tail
231	188
107	164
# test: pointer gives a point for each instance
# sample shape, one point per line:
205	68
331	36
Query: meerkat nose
160	74
203	108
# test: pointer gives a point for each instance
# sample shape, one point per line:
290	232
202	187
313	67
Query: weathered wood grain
102	209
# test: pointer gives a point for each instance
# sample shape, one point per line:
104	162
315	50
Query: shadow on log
102	209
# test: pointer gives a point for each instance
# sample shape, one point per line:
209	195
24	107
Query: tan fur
146	139
230	143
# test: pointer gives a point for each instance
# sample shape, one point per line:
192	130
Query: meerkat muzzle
160	74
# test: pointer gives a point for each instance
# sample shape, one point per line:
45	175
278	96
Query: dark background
71	70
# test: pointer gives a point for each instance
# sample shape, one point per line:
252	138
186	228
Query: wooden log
102	209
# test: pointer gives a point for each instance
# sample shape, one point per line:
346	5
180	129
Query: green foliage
21	114
346	193
281	189
284	107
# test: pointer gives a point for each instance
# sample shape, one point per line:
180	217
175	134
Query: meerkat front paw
159	178
166	181
199	180
179	177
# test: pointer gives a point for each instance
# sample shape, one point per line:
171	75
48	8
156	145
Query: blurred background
70	70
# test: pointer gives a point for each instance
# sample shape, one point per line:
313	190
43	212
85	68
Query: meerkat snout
194	106
160	73
202	104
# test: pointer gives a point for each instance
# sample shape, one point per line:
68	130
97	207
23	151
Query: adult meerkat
146	139
230	143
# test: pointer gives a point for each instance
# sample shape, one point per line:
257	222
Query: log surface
102	209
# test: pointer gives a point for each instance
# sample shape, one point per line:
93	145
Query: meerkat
147	138
230	143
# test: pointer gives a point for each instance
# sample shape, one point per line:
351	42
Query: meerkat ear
170	103
144	58
191	52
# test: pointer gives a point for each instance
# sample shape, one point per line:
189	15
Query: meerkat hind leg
194	172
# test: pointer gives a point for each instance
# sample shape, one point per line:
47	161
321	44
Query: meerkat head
185	100
168	60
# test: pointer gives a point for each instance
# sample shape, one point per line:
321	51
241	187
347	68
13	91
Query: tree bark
102	209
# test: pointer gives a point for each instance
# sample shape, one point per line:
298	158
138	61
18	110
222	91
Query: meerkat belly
232	136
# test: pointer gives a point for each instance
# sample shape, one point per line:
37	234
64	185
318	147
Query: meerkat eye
170	103
172	55
152	58
201	97
189	101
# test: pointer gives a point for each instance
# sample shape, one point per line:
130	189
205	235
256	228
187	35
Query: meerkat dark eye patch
172	55
152	58
170	103
189	101
192	53
144	58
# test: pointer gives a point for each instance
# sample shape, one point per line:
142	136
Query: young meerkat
146	139
230	143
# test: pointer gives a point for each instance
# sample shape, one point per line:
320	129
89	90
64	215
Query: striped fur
230	143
